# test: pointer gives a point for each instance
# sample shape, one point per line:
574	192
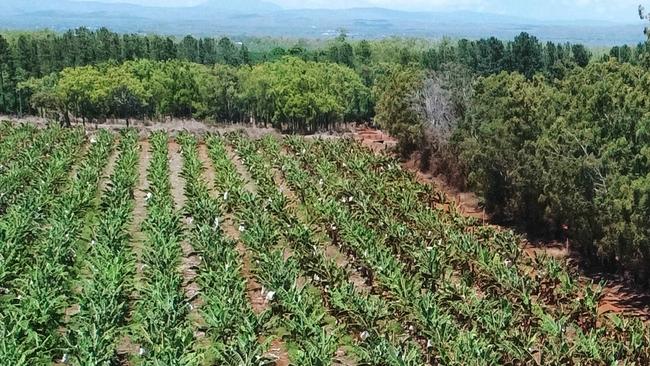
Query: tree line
289	93
568	157
563	158
25	55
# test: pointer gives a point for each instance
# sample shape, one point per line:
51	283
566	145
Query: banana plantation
179	249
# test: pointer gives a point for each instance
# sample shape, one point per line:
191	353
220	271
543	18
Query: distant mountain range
260	18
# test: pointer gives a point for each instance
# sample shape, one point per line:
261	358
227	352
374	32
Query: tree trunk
2	88
66	118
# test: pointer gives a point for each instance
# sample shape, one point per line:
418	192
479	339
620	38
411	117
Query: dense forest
553	137
30	63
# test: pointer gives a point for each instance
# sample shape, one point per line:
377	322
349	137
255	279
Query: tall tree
526	55
5	61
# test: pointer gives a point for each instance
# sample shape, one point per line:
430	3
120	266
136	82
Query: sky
608	10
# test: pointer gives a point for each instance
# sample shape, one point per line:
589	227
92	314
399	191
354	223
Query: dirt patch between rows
140	208
145	127
254	290
190	260
249	185
108	170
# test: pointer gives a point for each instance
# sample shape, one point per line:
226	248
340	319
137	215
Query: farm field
227	250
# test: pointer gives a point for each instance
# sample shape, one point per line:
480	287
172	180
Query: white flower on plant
190	220
216	223
350	199
142	351
304	151
149	196
411	328
93	242
429	343
225	195
320	182
316	278
93	140
364	335
241	228
64	359
270	296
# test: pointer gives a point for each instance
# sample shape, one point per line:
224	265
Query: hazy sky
617	10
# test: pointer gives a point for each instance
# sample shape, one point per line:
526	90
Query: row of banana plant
380	340
30	330
96	332
495	316
27	169
553	337
13	141
493	260
311	328
232	326
442	335
20	226
160	321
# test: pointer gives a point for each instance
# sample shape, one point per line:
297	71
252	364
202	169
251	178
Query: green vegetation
299	95
354	260
30	64
568	153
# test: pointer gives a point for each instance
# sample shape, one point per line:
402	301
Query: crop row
313	336
19	226
466	274
232	326
96	331
379	339
33	316
14	140
37	164
161	312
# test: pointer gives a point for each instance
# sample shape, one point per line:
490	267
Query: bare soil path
127	348
255	291
108	170
140	208
191	260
